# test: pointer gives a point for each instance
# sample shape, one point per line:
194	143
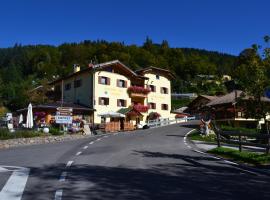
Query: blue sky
222	25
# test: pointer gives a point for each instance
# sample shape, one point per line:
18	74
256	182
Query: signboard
59	119
65	111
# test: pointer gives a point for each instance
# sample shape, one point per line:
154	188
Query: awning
111	114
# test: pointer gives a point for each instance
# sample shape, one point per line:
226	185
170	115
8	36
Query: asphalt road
145	164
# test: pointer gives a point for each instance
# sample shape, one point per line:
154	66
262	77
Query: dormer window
157	77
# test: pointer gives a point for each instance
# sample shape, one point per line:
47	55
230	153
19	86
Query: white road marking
15	185
2	169
78	153
247	171
69	163
91	142
63	177
58	195
85	147
98	139
227	161
106	136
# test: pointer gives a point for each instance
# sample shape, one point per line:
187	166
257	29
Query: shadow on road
194	178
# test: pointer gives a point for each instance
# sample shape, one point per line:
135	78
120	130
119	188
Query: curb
245	167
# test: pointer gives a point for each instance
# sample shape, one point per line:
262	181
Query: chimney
76	68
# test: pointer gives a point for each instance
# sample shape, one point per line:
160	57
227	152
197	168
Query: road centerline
69	163
58	194
63	176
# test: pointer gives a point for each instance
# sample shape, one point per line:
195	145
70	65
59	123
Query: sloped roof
209	97
100	67
151	68
54	105
226	99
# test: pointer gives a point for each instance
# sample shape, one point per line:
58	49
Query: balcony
141	108
138	91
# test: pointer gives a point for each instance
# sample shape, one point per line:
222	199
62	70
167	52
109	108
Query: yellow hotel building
115	88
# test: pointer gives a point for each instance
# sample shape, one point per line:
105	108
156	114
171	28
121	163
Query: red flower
138	89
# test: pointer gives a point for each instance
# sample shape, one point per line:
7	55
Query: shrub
5	134
55	131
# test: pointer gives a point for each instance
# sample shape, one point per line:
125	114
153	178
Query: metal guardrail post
218	139
267	149
240	142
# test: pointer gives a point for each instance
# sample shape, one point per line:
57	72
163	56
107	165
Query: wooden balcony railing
138	91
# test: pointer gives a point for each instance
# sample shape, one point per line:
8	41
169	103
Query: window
157	77
152	105
103	101
152	88
164	106
57	88
77	83
121	103
121	83
68	86
103	80
164	90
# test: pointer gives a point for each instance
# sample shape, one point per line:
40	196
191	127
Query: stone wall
4	144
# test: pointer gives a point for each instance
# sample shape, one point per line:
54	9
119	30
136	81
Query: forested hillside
23	68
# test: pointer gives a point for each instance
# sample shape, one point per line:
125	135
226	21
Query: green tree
251	73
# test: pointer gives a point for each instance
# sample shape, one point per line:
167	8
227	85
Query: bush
5	134
242	129
197	136
55	131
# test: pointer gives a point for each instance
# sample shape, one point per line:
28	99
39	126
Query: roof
231	98
124	111
54	105
98	67
151	68
180	110
209	97
226	99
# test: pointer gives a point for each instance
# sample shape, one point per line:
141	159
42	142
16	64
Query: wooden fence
243	139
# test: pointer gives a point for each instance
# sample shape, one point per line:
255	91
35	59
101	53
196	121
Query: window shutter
154	106
108	101
125	84
161	90
108	81
99	79
99	101
154	88
125	103
118	102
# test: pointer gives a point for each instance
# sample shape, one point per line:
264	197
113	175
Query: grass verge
197	136
243	157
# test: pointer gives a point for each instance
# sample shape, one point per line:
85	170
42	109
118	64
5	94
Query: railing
167	121
141	108
138	91
242	139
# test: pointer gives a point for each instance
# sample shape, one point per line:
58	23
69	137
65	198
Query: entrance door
122	121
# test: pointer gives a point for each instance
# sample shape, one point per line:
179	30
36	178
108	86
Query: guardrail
167	121
243	139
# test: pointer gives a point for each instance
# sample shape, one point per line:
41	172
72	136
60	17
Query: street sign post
59	119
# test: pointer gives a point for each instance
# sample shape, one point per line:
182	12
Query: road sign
64	111
59	119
